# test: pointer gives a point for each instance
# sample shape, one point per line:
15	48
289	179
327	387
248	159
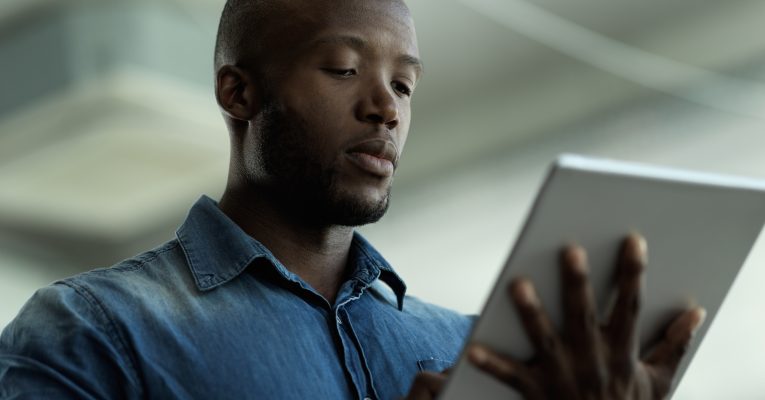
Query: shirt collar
368	262
218	250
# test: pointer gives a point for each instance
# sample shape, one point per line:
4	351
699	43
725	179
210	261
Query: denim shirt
213	314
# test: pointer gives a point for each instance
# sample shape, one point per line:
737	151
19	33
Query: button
367	398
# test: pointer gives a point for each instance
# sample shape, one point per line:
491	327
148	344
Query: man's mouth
375	156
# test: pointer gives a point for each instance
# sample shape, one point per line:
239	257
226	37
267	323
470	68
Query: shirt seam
134	264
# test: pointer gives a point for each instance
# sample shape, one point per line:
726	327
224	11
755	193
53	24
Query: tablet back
699	229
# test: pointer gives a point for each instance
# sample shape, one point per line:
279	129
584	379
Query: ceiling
108	127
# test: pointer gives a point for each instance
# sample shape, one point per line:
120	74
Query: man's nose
379	106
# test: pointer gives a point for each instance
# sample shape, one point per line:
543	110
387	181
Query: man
269	293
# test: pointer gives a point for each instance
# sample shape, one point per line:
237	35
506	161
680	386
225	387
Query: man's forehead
330	9
307	21
320	13
369	8
291	26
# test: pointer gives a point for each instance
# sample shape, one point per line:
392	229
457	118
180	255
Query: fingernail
577	258
527	294
701	315
639	247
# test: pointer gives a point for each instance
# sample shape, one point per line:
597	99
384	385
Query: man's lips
375	156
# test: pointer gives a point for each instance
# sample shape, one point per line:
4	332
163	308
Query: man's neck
318	255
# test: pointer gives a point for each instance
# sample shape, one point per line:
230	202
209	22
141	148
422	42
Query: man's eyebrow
345	40
412	61
359	44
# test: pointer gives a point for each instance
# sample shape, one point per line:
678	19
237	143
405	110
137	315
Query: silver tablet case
699	227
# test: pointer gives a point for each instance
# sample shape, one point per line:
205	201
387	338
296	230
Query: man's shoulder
138	290
132	280
149	265
99	311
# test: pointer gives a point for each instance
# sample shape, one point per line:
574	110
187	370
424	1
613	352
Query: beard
302	184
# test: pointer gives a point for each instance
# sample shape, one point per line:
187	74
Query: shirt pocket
434	364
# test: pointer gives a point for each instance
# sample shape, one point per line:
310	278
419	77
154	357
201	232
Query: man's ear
236	93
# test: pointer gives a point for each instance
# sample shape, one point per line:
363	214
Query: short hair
244	28
241	31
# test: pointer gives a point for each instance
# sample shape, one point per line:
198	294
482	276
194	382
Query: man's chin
357	212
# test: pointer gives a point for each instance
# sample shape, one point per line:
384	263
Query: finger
580	321
506	370
670	351
623	321
426	386
536	323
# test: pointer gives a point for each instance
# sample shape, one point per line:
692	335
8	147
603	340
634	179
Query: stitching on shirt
207	281
201	280
112	331
132	264
138	263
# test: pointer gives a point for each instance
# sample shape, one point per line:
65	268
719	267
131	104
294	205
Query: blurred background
109	132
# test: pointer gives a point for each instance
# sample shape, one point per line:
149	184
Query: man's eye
402	88
343	73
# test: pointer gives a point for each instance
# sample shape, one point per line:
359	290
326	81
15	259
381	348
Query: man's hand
588	360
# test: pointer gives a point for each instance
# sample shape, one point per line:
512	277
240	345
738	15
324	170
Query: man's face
335	118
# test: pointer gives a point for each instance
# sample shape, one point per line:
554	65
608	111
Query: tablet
699	228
